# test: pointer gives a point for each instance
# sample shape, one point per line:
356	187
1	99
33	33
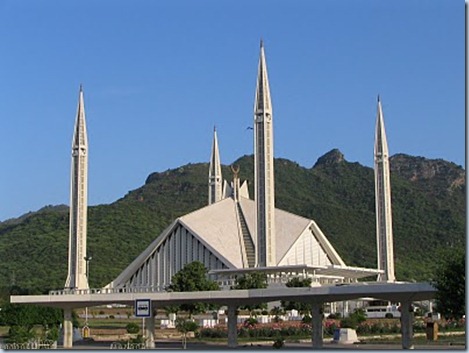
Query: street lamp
87	269
87	273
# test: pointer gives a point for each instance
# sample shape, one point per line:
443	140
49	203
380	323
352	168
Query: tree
193	278
354	319
22	319
184	326
303	308
450	281
252	280
277	311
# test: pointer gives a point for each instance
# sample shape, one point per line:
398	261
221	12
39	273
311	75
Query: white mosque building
234	234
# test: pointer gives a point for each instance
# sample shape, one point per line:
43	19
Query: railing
47	344
120	345
108	290
224	283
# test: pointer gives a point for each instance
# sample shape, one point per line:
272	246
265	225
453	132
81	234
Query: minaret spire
77	276
384	234
214	173
264	188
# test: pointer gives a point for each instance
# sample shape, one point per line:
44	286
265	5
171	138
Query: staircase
247	240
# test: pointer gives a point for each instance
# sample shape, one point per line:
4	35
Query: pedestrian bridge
402	292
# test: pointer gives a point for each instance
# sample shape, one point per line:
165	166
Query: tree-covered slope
428	213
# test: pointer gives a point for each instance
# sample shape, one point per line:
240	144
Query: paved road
170	345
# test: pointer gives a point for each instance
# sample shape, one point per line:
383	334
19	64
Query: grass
4	331
109	323
442	340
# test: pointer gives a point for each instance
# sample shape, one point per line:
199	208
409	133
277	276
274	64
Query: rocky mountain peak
420	169
334	156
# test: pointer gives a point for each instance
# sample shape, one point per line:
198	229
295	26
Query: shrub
20	334
250	322
279	343
306	319
132	327
335	316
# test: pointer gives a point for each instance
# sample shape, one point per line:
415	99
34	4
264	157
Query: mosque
234	234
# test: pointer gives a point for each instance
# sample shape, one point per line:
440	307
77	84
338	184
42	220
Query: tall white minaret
214	173
77	276
264	187
383	202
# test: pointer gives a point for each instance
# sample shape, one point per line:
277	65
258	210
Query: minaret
264	192
383	202
214	173
77	276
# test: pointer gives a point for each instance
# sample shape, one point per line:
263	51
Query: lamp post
87	273
87	269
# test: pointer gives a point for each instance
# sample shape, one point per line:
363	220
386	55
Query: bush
389	316
20	334
279	343
250	322
306	319
335	316
52	334
132	327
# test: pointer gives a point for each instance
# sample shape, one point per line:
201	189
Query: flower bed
252	329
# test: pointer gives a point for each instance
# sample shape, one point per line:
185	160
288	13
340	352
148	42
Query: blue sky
158	75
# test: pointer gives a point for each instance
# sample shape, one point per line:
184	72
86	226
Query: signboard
142	307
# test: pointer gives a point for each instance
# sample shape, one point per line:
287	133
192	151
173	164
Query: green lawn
109	323
4	331
442	340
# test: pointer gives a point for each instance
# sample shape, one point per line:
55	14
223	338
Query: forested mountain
428	215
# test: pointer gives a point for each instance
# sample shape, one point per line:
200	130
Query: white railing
127	345
107	290
47	344
225	284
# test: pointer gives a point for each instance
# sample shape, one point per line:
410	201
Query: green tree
22	319
184	326
451	281
277	311
193	278
251	281
303	308
354	319
254	280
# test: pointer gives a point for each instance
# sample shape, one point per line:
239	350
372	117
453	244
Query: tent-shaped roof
217	227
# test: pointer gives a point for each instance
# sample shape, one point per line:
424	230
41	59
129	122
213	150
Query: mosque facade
234	234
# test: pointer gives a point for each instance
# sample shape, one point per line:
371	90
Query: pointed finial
81	87
214	128
379	100
262	43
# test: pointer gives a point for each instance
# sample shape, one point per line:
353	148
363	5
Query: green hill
428	215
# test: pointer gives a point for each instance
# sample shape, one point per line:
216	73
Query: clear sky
158	75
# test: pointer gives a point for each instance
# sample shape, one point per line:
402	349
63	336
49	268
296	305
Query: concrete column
406	325
316	316
232	326
68	328
149	332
